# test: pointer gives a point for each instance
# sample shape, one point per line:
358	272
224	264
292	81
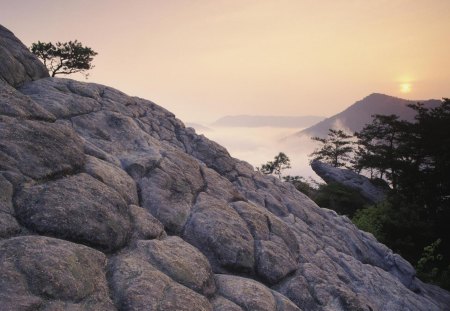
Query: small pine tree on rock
336	148
64	57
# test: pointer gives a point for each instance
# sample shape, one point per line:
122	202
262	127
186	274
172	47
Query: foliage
371	219
431	266
301	184
64	58
336	148
431	149
396	224
380	147
414	158
280	163
342	199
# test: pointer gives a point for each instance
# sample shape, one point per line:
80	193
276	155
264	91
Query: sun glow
405	87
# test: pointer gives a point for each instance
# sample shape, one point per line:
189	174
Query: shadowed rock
146	227
17	64
114	177
348	178
169	190
179	260
24	107
137	285
8	224
77	208
223	304
246	293
38	149
40	273
218	231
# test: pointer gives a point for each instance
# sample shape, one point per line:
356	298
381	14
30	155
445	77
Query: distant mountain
360	113
273	121
198	127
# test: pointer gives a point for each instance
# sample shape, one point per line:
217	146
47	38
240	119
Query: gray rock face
276	250
39	149
24	107
146	227
8	224
113	177
77	208
366	188
138	285
41	273
223	304
251	295
108	202
18	65
217	230
171	189
181	261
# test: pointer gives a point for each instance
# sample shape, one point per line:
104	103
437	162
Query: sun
405	87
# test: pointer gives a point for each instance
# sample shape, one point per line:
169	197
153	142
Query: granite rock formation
18	65
371	192
108	202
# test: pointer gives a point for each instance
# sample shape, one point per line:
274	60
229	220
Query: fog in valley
257	145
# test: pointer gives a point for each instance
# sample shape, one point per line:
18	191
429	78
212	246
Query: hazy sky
203	59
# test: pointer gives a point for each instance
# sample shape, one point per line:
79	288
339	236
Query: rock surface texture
18	65
108	202
330	174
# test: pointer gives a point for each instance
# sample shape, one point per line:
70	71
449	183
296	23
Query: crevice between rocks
28	118
55	176
115	298
163	297
203	188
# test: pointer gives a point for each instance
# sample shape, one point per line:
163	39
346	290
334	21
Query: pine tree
280	163
336	148
64	58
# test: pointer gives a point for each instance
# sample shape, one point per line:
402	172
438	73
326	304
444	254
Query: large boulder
77	208
40	273
146	227
371	191
179	260
8	223
18	65
114	177
251	295
221	234
138	286
24	107
39	149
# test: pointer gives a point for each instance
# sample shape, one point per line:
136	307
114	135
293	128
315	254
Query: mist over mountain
273	121
360	113
198	127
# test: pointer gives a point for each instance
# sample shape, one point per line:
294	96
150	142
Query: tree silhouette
336	148
280	163
64	58
381	147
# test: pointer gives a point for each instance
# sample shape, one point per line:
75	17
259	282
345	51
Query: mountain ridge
354	117
270	121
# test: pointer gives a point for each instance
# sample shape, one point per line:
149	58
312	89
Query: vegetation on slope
414	158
